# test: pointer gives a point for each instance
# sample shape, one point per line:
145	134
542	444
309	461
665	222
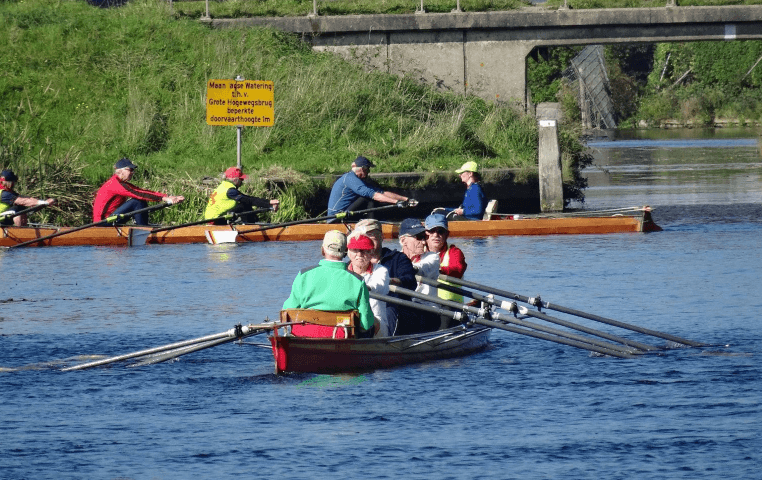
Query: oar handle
111	219
7	214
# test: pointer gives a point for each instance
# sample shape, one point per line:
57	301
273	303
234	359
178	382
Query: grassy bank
84	86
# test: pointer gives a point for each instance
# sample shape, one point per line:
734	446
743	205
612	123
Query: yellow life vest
219	204
441	292
4	206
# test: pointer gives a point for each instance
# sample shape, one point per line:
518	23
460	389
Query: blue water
525	408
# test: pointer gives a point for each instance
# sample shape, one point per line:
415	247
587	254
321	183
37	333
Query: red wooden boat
620	221
324	343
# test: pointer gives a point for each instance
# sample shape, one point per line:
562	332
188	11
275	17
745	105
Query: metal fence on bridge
588	73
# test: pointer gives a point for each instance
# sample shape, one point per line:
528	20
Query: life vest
441	292
4	206
219	204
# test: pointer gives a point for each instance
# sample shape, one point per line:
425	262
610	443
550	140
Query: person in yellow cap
474	202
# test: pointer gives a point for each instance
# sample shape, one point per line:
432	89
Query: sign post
240	103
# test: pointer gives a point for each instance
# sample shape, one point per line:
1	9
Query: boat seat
322	323
491	208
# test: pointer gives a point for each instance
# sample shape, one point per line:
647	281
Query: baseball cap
368	225
363	162
436	220
235	172
411	226
9	176
124	163
360	242
335	243
468	167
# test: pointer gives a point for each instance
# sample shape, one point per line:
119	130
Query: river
524	408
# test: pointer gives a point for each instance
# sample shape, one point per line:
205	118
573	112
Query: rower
401	272
9	197
412	237
329	286
376	277
474	201
452	262
226	198
355	191
118	195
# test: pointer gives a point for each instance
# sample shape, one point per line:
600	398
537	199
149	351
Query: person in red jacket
118	195
452	262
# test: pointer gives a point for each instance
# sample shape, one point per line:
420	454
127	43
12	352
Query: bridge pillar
458	61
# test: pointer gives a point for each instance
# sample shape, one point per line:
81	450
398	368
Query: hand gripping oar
499	325
138	237
517	309
580	341
111	219
206	342
12	213
340	215
537	302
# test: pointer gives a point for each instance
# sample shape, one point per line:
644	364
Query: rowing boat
329	355
630	220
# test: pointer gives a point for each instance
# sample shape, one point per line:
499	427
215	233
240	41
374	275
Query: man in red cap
118	196
9	198
226	198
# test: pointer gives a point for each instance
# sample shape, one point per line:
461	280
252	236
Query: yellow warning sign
240	102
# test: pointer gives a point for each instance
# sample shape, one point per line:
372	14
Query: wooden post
549	161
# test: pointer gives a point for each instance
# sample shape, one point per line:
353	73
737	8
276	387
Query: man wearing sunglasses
452	262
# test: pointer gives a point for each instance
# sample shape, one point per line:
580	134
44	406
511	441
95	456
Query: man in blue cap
9	198
355	191
452	262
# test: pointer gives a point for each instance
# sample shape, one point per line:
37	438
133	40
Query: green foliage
93	85
283	8
545	67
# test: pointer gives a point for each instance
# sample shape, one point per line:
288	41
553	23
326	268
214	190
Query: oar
502	326
227	336
139	237
514	308
339	215
113	218
12	213
536	301
609	348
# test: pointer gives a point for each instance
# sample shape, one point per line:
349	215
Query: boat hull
120	236
326	355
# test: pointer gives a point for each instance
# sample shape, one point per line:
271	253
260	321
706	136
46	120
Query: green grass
84	86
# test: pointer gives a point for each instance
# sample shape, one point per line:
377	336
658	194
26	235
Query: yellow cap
468	167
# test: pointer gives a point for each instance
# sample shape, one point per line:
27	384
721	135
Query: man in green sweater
329	286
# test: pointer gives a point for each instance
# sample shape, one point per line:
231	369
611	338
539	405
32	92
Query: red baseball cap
360	242
235	172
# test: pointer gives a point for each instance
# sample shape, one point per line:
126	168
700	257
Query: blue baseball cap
411	226
124	163
9	176
363	162
436	220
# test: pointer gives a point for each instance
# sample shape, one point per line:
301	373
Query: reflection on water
674	167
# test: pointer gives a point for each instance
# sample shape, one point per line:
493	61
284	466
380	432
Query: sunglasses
439	231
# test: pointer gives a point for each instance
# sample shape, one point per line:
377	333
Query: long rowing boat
329	355
610	221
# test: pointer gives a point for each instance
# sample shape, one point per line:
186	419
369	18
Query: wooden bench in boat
321	323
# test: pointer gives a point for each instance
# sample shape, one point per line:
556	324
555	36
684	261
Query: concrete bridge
484	53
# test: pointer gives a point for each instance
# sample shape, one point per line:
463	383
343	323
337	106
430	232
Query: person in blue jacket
474	202
354	191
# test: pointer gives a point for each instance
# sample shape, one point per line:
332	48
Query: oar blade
137	237
216	237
